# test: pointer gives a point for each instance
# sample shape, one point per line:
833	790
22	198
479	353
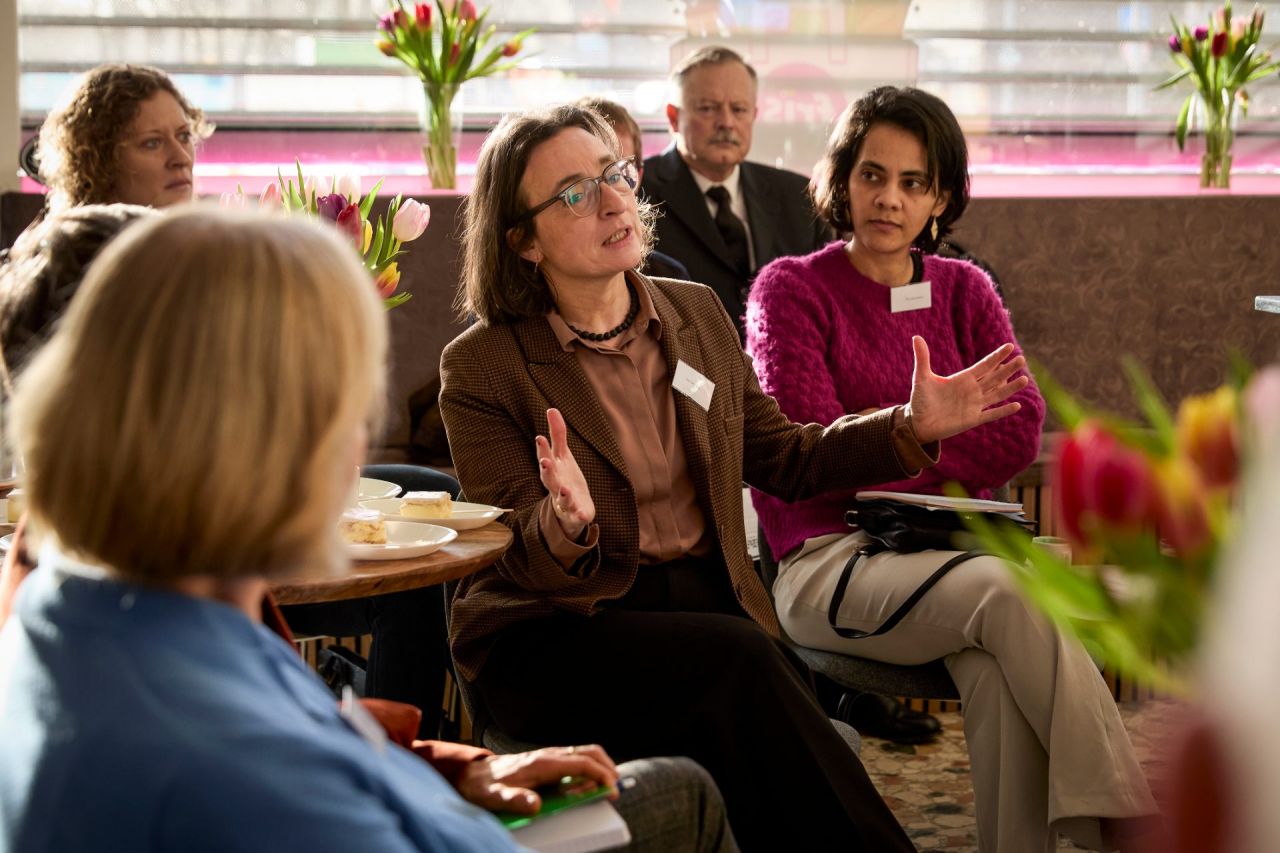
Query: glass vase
1219	136
444	133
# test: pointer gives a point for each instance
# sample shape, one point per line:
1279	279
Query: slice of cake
16	505
426	505
363	527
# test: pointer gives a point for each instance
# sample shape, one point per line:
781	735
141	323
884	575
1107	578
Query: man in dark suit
762	213
724	218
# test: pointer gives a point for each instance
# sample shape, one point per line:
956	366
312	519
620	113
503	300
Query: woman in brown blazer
618	416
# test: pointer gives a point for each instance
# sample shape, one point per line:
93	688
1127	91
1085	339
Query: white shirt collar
730	183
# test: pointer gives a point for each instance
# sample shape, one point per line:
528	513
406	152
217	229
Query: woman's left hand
943	406
506	782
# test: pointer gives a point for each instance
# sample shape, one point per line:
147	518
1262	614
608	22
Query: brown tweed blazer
498	382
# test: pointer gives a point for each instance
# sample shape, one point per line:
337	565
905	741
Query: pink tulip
270	195
388	280
387	22
232	201
467	10
1175	43
422	14
411	220
1209	436
447	5
1262	404
349	186
349	221
1202	33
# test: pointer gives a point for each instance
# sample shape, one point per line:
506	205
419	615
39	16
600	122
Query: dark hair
709	55
79	142
918	113
616	114
44	270
499	286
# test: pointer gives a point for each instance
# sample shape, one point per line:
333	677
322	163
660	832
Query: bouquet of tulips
1219	59
445	44
379	243
1147	508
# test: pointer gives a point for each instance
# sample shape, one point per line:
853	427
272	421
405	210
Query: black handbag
907	528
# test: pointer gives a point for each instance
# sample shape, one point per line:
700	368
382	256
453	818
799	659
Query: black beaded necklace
618	329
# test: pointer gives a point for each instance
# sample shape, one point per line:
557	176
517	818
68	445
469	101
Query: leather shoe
886	717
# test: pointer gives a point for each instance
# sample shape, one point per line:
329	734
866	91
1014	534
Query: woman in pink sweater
830	337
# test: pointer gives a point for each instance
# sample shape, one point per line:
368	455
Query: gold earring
933	228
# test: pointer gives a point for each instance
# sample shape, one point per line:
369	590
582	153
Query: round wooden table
470	552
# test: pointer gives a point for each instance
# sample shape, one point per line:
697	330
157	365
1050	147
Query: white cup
1055	545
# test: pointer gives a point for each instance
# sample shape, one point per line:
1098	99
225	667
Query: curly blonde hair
78	147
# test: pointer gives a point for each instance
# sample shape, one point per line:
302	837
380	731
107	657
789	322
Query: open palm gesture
943	406
560	474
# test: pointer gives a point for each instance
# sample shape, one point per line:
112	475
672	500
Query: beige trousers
1048	750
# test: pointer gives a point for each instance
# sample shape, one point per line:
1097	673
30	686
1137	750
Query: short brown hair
196	413
45	269
79	143
499	286
616	114
919	113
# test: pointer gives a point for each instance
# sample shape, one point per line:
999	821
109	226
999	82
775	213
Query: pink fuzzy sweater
825	344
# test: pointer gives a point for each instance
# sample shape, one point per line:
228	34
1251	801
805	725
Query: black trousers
409	654
676	668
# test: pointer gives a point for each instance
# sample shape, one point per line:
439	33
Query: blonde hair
196	412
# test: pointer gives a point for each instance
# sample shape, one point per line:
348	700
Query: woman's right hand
562	478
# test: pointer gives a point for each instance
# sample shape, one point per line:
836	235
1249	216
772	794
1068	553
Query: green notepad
551	804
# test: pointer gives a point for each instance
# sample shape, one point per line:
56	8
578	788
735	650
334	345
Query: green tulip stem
440	154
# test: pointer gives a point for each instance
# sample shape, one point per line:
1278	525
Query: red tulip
422	14
350	222
1218	47
329	206
1068	484
1119	489
454	50
388	280
511	48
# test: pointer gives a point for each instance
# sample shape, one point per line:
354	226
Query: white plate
405	539
370	488
466	516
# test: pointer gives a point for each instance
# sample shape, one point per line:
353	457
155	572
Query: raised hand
506	782
562	478
943	406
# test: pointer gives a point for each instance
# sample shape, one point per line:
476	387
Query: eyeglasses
583	197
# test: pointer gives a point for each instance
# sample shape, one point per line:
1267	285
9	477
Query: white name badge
362	721
910	297
693	385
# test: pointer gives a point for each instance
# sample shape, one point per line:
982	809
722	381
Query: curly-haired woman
126	135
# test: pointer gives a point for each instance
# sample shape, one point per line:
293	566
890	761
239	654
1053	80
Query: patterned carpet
930	791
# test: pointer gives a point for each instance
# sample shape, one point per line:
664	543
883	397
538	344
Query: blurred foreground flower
1147	508
379	242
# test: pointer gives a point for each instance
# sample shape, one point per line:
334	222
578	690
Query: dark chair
414	478
925	681
488	735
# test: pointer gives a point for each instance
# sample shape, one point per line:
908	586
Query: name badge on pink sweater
693	385
910	297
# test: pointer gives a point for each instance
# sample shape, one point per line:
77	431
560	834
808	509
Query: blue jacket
134	719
